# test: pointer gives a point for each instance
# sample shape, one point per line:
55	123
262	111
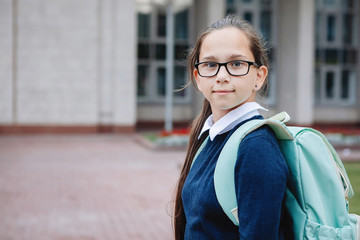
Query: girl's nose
223	75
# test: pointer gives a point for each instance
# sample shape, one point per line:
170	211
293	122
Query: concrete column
117	64
296	59
6	61
124	48
207	12
106	63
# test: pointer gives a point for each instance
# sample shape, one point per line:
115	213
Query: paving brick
88	187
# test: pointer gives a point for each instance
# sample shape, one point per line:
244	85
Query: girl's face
224	91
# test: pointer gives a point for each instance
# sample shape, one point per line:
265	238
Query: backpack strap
224	171
282	117
199	150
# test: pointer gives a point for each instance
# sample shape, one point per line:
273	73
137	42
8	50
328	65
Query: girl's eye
237	64
211	65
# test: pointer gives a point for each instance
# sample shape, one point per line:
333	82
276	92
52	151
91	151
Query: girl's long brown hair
259	51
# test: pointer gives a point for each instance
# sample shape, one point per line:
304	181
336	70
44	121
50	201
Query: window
151	69
261	13
336	53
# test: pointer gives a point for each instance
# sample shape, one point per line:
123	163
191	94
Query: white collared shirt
231	119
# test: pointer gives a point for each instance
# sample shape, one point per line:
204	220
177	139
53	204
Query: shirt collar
231	119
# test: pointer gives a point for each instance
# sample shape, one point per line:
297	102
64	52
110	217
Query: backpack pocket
315	230
355	223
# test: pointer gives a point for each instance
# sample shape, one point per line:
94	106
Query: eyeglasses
234	68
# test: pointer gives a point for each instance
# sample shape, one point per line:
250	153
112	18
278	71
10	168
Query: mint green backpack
318	187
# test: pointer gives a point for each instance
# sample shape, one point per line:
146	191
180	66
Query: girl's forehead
224	43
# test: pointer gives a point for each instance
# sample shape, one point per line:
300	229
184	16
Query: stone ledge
169	143
63	129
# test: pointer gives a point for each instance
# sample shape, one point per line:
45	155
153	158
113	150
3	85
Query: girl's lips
223	92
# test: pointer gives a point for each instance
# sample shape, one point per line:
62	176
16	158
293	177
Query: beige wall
69	63
6	47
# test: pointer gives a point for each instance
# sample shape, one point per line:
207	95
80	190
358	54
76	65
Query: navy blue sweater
260	180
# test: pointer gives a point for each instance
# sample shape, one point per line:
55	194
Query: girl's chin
229	107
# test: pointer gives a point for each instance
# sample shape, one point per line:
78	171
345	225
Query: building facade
101	64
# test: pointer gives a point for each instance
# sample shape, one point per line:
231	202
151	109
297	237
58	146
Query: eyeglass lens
236	68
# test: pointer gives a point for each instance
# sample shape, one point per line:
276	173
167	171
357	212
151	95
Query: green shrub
353	171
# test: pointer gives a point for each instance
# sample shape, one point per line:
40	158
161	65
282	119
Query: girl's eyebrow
234	56
208	58
237	56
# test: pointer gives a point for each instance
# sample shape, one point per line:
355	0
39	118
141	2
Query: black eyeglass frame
225	65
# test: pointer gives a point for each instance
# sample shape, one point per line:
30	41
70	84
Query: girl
228	65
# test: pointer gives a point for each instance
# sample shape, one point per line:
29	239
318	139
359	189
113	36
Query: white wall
6	45
74	62
56	62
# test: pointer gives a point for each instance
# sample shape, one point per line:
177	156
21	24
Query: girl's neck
219	113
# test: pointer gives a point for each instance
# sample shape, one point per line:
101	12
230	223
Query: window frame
323	67
154	64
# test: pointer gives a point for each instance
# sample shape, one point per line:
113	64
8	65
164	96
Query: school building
100	65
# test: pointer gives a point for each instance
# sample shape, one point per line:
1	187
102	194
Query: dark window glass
143	25
345	84
161	81
266	3
180	81
329	2
230	7
230	10
142	79
348	3
265	24
330	85
143	51
181	25
331	28
331	56
348	29
248	16
160	51
349	56
317	85
161	25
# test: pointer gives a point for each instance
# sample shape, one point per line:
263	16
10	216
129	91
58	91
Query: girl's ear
261	75
197	79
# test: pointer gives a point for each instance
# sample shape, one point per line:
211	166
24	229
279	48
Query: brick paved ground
89	187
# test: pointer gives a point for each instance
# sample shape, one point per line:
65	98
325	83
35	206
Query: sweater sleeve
260	179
